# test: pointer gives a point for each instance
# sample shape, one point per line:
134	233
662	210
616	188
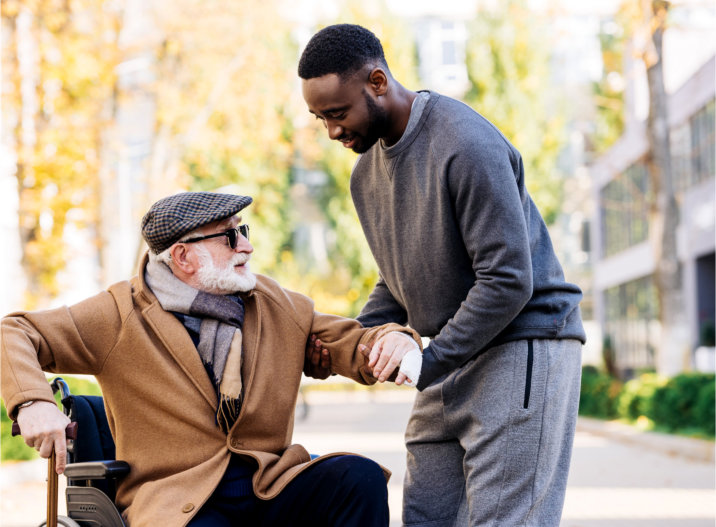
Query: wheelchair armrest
97	470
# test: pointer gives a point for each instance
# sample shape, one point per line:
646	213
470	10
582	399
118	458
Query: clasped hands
392	350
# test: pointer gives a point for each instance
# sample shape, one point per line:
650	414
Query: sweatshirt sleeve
382	307
490	211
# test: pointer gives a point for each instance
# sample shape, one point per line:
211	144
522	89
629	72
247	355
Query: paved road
613	483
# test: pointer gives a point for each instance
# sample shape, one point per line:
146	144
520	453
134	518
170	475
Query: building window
680	139
449	52
692	150
702	144
624	206
632	324
585	238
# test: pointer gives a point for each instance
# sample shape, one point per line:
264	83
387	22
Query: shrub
598	393
682	404
674	405
637	395
705	410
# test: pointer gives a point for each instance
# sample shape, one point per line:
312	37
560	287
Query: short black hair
342	49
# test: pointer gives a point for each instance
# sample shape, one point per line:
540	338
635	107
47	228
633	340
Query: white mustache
240	259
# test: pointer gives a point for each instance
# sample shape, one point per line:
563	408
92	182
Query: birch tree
648	20
58	87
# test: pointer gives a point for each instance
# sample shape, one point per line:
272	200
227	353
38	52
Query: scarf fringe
220	321
228	412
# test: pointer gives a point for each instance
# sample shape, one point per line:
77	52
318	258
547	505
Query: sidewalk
671	445
622	477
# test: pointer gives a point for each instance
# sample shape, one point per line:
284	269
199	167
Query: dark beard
377	126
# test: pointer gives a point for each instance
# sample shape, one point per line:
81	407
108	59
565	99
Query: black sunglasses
231	234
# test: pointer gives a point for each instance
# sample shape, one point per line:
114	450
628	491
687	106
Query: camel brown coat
159	399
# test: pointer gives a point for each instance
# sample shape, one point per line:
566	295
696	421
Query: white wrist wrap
411	365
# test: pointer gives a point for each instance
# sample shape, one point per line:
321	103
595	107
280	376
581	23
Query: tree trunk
13	283
664	213
28	75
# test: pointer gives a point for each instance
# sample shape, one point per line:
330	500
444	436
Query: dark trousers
341	491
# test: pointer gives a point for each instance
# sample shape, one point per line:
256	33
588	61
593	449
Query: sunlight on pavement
590	441
637	503
363	443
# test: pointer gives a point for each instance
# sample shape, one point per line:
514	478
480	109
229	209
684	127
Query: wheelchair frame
87	505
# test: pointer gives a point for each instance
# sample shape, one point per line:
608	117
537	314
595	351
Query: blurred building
610	259
441	54
624	293
576	65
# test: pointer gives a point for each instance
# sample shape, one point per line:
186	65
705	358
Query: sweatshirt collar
418	112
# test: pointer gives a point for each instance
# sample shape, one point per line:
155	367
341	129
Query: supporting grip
70	431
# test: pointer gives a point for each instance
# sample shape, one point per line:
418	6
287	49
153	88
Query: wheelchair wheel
64	521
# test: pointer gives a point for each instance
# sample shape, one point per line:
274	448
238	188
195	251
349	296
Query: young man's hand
394	350
42	425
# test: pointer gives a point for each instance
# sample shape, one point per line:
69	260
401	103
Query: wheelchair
92	472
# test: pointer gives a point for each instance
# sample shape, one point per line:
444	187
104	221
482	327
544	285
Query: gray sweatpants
490	445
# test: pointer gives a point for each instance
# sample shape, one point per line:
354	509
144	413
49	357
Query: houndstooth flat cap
172	217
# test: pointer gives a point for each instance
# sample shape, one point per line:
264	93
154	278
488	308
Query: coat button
235	443
188	507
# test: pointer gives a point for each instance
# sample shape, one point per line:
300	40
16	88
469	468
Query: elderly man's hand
389	352
318	360
42	425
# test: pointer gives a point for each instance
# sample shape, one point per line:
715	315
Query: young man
199	361
464	259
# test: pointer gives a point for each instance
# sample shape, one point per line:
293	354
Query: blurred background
108	105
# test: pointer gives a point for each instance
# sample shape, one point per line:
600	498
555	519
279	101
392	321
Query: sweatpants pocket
528	380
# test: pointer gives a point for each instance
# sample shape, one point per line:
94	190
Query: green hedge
636	398
598	394
683	404
678	405
14	448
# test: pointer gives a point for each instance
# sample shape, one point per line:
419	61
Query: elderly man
199	362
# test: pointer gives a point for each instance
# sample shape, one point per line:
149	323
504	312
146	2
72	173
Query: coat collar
176	340
173	336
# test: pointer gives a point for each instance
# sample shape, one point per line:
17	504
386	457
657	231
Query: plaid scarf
219	320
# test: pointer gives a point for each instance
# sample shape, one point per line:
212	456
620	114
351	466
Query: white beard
226	280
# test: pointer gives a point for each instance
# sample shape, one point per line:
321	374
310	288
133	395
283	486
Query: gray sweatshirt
463	253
